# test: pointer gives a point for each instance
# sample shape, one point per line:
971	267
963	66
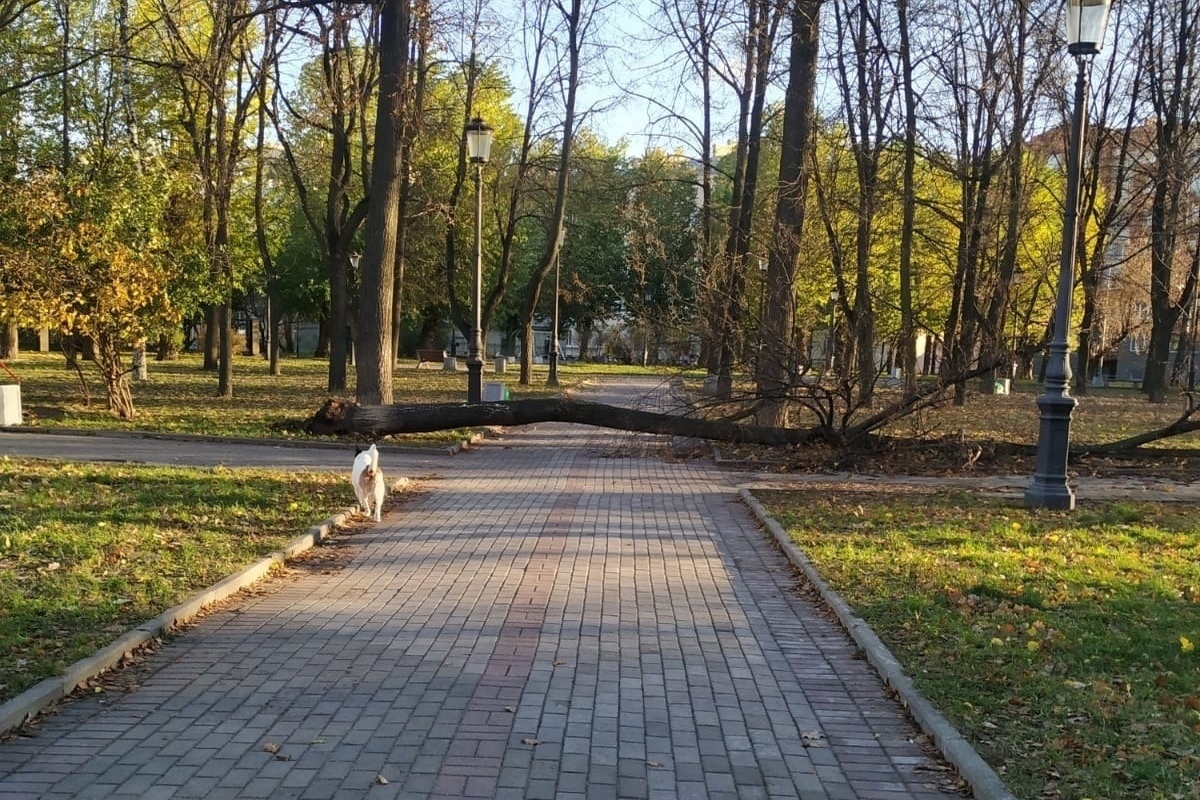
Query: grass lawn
1063	645
1101	416
180	397
89	551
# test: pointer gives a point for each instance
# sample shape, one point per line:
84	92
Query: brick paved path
549	618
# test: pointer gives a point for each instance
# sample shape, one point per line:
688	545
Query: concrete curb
984	782
25	707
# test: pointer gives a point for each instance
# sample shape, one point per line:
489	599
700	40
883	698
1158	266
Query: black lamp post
351	345
1013	283
552	380
479	147
762	309
1086	20
1191	339
833	298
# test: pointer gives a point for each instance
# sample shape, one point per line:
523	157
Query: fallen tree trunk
347	419
342	418
1185	424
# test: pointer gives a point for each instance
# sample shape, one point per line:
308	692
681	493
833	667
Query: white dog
368	482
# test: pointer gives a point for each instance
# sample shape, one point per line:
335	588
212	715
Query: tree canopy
213	160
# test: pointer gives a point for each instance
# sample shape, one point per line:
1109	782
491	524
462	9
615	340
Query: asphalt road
194	452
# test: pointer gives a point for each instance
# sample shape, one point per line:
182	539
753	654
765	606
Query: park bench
1122	384
429	356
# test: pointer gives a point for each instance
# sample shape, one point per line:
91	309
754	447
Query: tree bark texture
374	358
775	371
338	418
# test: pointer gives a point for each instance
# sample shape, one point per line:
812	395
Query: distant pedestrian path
544	617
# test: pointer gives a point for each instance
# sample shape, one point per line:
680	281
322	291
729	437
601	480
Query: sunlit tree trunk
1170	36
778	325
908	200
115	376
577	21
760	39
374	357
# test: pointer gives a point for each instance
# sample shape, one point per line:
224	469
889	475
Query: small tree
95	259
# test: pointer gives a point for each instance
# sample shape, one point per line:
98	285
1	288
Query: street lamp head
1086	20
479	141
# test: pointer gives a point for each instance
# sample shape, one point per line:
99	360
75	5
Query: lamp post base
1045	494
475	381
1049	488
552	380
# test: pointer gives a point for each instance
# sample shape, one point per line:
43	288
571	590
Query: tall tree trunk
224	267
225	363
574	18
260	237
1170	39
64	11
752	99
212	337
10	347
348	70
414	113
126	70
908	278
865	96
774	379
115	377
374	359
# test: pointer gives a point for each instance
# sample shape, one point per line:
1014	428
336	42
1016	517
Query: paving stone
555	614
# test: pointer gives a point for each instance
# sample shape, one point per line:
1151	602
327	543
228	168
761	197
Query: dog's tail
374	453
